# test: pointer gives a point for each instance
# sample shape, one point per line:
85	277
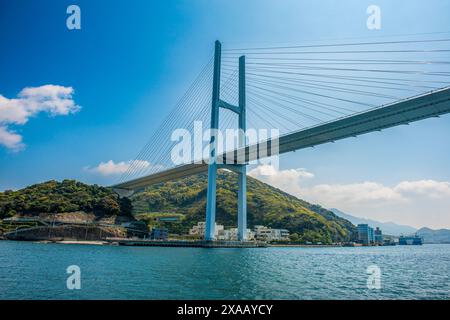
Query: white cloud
365	192
418	203
111	168
375	194
11	140
268	170
428	188
287	180
53	99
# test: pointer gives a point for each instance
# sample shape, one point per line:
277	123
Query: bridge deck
432	104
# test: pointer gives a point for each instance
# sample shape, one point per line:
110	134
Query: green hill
184	201
266	205
63	197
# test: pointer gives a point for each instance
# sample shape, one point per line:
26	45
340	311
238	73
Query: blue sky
132	60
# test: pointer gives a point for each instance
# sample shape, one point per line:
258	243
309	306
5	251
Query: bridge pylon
238	166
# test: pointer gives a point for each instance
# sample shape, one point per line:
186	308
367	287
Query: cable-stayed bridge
313	94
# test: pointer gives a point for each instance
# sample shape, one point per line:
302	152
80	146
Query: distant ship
410	240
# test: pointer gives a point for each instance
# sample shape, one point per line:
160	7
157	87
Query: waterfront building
279	235
232	234
260	232
228	234
199	229
263	233
159	234
410	240
366	234
378	236
267	234
371	235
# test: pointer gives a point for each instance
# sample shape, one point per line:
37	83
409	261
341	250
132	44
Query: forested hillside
266	205
186	200
61	197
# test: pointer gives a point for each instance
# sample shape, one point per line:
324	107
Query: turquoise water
38	271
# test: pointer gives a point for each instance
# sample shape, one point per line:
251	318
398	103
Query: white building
263	233
280	234
199	229
232	234
267	234
228	234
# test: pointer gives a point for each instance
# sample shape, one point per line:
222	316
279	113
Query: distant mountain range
434	236
389	228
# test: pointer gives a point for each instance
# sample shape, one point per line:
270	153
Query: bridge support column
242	176
242	204
212	167
240	165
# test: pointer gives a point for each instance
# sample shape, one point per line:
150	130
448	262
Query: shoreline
307	245
116	242
82	242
